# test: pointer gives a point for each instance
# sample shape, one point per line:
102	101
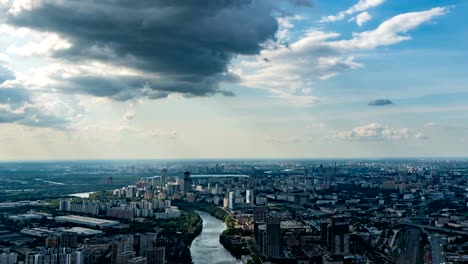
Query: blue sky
305	81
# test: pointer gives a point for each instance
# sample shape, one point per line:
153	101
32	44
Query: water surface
206	247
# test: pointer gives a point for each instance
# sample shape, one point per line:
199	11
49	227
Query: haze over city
232	79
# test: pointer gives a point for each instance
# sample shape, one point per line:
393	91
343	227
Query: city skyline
257	79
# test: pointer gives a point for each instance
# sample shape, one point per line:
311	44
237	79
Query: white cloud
389	32
291	69
373	132
362	18
15	7
48	45
285	24
430	124
421	136
360	6
130	113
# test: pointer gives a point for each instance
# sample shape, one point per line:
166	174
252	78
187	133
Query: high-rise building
145	241
52	256
273	236
68	239
251	181
338	235
260	214
249	197
324	232
122	244
186	183
156	255
261	238
163	178
124	257
231	200
10	258
51	242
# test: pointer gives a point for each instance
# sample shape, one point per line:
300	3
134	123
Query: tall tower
231	200
249	197
187	183
156	255
273	233
338	235
163	178
260	214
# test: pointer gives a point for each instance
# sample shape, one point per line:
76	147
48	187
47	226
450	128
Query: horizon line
242	159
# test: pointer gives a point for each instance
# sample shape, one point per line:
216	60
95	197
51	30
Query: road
411	253
436	246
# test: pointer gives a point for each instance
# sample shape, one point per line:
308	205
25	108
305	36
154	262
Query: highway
436	246
411	253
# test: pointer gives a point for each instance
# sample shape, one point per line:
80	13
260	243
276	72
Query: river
206	248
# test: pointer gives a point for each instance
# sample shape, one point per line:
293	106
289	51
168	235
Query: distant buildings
156	255
8	258
88	221
125	257
68	239
56	255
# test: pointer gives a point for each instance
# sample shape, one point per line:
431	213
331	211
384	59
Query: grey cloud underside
380	102
5	75
185	45
18	106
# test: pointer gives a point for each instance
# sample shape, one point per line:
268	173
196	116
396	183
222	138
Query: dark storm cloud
185	45
380	102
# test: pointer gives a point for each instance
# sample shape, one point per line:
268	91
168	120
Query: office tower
124	257
163	178
138	260
186	183
249	197
122	244
231	200
68	239
10	258
156	255
338	235
260	213
63	255
145	241
273	236
251	182
324	232
261	238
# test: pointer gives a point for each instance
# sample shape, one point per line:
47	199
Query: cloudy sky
85	79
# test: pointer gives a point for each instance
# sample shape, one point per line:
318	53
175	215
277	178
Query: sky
121	79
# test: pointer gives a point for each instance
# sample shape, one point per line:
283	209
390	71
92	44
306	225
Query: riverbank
231	238
206	247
